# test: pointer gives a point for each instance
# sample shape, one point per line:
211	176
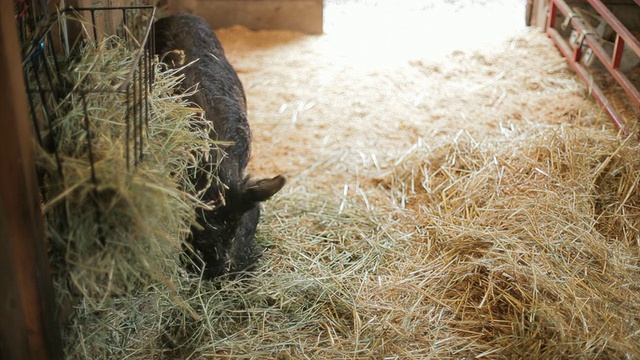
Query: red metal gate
585	36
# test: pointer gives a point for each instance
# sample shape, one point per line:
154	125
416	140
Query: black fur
227	241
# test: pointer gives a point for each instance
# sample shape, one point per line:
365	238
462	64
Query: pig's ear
261	190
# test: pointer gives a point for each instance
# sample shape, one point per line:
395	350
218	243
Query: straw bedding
534	231
477	207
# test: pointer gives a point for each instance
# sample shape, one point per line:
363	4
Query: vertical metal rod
577	53
93	22
127	120
134	124
32	108
147	85
124	21
152	50
48	73
87	126
141	99
55	59
553	11
94	179
618	49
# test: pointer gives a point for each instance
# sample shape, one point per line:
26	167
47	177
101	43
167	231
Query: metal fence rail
585	36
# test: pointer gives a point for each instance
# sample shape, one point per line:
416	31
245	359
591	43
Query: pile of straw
524	245
533	240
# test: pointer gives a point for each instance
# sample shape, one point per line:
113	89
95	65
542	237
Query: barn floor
379	80
453	192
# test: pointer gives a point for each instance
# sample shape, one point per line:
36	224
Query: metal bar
551	19
34	117
92	164
566	50
112	8
618	49
141	107
87	126
147	85
93	22
127	121
136	127
55	58
125	33
617	26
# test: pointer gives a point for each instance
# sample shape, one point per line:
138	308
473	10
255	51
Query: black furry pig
227	242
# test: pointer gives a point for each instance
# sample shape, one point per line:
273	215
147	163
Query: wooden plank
106	21
27	303
299	15
537	13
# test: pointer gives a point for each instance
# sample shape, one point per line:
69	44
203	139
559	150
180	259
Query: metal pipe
616	25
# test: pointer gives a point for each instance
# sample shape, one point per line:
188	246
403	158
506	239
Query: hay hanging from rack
126	228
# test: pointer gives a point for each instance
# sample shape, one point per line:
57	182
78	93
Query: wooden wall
28	329
299	15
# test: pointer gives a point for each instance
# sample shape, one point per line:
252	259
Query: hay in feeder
117	216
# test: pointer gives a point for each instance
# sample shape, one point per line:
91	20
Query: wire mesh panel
84	96
62	89
115	154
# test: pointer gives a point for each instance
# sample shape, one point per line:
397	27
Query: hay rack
50	41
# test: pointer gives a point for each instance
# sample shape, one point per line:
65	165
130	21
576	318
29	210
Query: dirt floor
378	81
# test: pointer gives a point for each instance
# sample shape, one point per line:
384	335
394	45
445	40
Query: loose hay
538	236
506	248
523	244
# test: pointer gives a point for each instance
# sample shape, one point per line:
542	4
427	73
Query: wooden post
28	329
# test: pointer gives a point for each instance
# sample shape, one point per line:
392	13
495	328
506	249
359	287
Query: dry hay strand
125	230
537	238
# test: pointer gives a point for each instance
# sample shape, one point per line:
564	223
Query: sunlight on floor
385	32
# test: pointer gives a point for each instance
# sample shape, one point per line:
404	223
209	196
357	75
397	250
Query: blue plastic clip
39	50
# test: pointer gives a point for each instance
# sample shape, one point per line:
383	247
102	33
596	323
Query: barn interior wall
299	15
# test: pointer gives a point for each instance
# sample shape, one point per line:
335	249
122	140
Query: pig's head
226	243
